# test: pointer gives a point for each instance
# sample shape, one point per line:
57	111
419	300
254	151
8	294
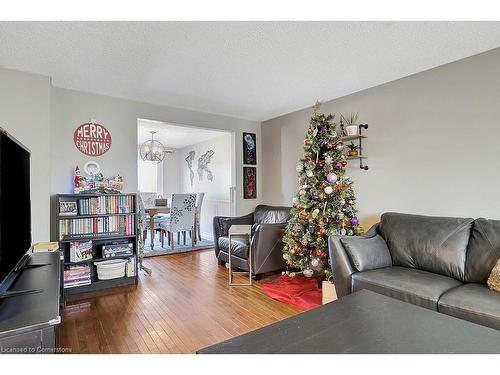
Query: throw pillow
494	279
367	253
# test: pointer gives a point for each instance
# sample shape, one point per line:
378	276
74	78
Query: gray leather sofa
439	263
268	226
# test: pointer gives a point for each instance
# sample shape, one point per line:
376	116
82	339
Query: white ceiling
252	70
173	136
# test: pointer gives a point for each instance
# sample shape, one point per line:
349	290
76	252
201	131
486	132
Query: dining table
152	211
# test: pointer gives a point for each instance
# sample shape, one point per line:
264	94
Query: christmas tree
325	203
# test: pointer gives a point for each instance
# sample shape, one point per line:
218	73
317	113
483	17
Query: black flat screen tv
15	207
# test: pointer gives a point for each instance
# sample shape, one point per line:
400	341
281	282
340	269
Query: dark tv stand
16	293
28	266
28	323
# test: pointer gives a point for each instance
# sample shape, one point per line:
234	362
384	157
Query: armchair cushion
271	215
367	253
239	245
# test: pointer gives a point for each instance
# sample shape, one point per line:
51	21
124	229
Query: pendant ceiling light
153	150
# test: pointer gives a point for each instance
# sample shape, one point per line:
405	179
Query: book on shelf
124	225
77	276
68	208
80	251
103	205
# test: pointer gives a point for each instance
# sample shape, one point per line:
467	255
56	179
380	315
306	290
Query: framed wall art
249	183
249	149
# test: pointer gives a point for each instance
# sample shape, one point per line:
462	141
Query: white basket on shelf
111	269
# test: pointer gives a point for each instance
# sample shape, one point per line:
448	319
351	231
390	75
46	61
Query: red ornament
344	163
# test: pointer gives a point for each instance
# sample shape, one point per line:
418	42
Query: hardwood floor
184	306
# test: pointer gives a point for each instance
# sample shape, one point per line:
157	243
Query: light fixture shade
152	150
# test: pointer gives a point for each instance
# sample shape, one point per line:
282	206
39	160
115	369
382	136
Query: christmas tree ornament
328	190
354	221
309	173
328	160
339	165
315	213
331	177
312	228
299	167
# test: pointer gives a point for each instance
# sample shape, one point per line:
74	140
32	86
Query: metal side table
240	230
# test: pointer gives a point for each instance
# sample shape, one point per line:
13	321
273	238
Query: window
150	177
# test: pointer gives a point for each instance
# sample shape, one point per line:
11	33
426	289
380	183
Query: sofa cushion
271	215
406	284
239	245
473	302
483	250
367	253
434	244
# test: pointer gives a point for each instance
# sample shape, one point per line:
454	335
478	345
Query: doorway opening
193	160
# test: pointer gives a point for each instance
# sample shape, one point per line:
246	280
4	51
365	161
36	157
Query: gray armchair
268	227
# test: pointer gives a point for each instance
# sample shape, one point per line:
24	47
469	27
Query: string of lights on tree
324	204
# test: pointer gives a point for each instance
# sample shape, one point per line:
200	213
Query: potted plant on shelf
350	122
353	150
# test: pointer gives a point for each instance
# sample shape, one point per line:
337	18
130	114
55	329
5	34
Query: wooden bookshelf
104	219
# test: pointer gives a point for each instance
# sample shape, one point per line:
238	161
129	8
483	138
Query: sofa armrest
267	247
342	268
223	223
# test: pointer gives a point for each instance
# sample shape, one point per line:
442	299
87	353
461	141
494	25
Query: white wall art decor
189	161
203	162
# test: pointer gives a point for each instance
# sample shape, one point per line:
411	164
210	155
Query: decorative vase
351	130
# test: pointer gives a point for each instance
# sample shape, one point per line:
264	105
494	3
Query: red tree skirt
300	292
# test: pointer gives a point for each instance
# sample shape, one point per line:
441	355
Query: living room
249	187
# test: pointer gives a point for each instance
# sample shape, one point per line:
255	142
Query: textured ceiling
251	70
173	136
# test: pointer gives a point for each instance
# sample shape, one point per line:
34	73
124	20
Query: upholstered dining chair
181	218
149	200
197	213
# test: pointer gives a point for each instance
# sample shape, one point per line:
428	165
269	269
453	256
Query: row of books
106	205
77	276
97	225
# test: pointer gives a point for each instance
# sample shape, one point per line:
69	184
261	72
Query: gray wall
44	118
25	113
433	146
71	108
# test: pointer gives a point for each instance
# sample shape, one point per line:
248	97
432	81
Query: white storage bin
111	269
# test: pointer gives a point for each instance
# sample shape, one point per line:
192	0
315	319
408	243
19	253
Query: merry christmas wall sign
92	139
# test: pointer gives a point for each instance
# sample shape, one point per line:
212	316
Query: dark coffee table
365	322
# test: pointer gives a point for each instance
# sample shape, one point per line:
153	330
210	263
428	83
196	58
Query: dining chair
197	215
181	218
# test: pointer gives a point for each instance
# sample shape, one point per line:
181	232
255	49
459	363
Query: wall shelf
359	138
